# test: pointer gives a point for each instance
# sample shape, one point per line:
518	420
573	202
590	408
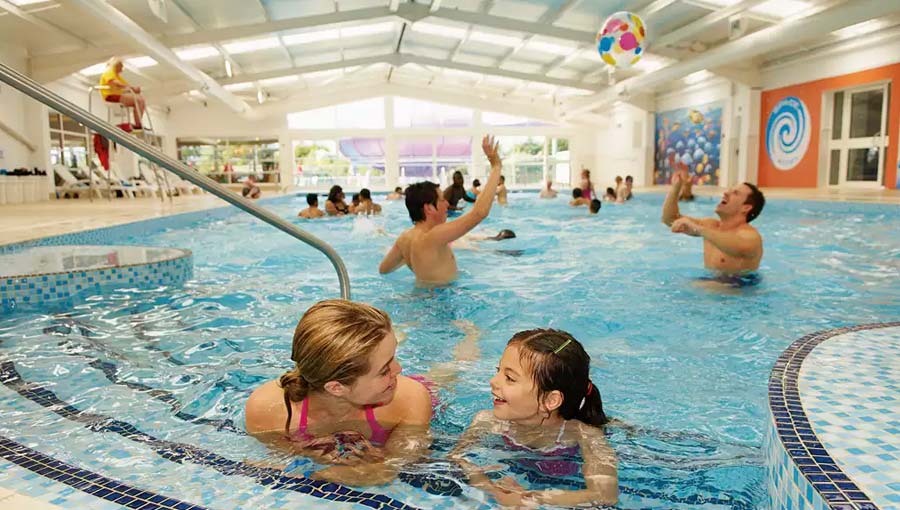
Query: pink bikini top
379	434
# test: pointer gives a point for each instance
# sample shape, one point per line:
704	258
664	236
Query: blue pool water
155	380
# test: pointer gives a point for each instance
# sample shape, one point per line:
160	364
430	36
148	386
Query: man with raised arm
425	248
730	244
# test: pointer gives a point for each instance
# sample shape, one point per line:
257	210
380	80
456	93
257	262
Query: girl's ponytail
590	410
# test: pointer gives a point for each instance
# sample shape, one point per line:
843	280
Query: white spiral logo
787	133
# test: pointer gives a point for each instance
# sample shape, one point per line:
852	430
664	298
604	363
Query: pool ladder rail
155	156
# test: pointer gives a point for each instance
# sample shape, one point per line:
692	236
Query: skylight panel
311	37
196	53
249	45
502	40
140	62
281	80
94	70
555	49
439	30
361	30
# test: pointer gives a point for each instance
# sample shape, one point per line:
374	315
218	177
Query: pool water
683	366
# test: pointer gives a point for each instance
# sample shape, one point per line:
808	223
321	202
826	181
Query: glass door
858	136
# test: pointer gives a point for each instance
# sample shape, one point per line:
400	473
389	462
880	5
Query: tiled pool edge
801	473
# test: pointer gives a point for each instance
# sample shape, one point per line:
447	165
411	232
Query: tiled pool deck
835	436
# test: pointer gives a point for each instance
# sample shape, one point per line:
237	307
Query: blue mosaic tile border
822	476
88	481
69	288
181	453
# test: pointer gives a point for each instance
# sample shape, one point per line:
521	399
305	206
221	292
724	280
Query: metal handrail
31	88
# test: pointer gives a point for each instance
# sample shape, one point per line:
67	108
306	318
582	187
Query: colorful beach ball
620	41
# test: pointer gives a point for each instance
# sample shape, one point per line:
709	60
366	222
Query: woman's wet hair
332	342
334	194
558	362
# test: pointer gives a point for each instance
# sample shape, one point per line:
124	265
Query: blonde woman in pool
345	401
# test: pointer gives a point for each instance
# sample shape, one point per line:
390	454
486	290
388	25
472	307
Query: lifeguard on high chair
115	89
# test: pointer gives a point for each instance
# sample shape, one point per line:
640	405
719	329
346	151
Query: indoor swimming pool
145	387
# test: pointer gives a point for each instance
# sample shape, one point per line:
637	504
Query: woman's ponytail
295	389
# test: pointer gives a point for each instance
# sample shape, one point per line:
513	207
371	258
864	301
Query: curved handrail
31	88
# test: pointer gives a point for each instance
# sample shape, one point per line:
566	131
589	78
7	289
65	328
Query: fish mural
691	138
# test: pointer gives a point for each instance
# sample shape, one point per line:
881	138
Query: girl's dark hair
558	362
610	191
333	193
577	193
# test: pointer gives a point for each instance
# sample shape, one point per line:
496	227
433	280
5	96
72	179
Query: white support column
391	156
286	161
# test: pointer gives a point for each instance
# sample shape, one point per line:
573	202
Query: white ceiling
537	50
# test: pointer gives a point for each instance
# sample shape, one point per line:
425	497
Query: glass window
366	114
415	158
200	157
410	113
837	122
865	113
834	172
559	160
863	165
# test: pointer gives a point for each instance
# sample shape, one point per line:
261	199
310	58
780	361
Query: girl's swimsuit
559	460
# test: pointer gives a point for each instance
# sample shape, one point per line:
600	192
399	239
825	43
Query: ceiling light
860	28
439	30
555	49
228	70
279	81
260	96
93	70
246	85
140	62
697	77
490	38
252	45
781	8
311	37
20	3
376	28
196	53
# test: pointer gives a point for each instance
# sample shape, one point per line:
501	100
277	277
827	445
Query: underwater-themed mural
689	138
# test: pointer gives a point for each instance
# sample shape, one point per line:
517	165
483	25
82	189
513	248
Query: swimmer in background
577	199
594	206
425	248
587	187
456	192
354	203
627	191
313	211
730	244
548	192
610	195
335	205
366	205
474	191
501	191
397	194
545	404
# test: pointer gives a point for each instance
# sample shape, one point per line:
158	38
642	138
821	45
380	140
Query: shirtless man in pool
730	244
425	248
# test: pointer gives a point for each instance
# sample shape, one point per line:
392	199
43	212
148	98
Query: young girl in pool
546	404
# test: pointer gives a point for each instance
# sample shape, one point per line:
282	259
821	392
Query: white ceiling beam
715	7
235	67
789	32
654	8
703	23
127	27
34	20
548	18
392	59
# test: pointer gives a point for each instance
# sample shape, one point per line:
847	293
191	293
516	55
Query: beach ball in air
620	41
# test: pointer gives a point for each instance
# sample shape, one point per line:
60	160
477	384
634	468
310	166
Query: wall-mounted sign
788	132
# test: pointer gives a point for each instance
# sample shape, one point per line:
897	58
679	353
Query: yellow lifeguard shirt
108	76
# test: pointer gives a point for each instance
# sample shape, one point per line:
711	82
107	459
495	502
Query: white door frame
881	141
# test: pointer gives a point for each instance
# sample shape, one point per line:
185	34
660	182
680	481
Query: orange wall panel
805	173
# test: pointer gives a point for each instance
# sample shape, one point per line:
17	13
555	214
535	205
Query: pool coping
795	431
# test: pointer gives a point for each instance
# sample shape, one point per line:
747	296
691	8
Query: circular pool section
57	276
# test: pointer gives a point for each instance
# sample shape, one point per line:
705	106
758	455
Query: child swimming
545	404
